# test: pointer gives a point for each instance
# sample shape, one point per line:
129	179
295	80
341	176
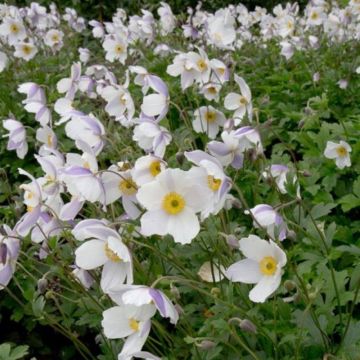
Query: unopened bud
42	285
215	291
290	285
306	173
180	157
232	241
247	325
312	295
291	235
301	124
206	345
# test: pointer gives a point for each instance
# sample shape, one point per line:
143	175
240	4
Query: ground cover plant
180	187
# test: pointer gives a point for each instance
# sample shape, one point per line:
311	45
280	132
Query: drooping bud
290	285
206	345
180	157
247	325
42	285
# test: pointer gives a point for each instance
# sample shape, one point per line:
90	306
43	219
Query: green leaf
349	202
321	210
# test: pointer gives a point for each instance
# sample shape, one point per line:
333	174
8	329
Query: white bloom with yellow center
116	49
147	168
262	266
54	39
172	201
25	50
340	152
208	120
104	248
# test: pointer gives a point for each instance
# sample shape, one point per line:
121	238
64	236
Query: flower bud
232	241
175	292
3	253
290	285
215	291
42	285
180	157
247	325
206	345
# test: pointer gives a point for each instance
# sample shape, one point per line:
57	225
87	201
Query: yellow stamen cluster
243	100
202	65
14	28
173	203
268	265
119	49
341	151
111	254
26	49
155	168
214	184
134	324
210	116
128	186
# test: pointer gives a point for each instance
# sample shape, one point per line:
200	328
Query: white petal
153	104
255	248
91	255
184	226
246	271
154	222
265	287
232	101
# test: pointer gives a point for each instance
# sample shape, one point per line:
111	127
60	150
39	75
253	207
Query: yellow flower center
268	265
119	49
111	255
29	195
314	15
214	184
173	203
14	28
155	168
243	100
221	71
202	65
86	165
212	90
55	38
49	140
134	324
290	25
29	208
26	49
128	186
341	151
210	116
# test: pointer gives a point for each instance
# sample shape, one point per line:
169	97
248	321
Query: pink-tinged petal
265	287
218	148
246	271
71	209
91	254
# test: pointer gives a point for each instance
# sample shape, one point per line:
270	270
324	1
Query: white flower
13	29
339	152
240	103
146	169
208	120
53	39
262	266
116	49
3	61
105	248
172	201
25	50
